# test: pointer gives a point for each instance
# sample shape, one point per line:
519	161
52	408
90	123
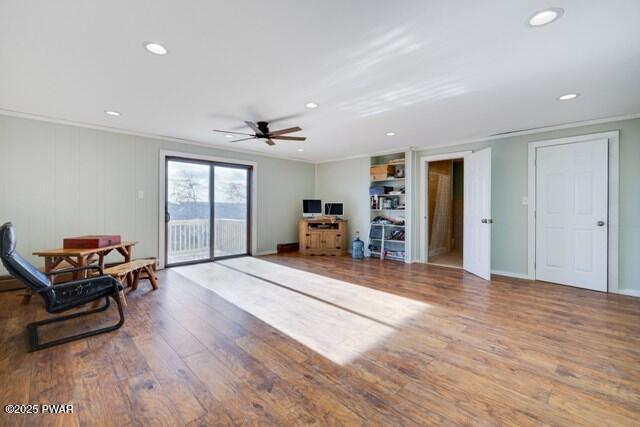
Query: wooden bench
138	269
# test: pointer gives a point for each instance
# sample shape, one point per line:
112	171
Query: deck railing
188	240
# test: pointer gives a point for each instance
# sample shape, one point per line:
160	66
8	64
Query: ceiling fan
262	131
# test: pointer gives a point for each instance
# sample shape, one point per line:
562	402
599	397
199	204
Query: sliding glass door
207	210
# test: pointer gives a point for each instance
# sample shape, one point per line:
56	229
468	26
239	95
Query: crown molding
49	119
533	131
372	154
494	137
32	116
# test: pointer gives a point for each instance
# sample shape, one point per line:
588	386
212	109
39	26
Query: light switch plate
525	201
140	194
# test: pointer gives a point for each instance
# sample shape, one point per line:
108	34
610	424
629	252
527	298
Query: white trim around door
162	189
424	196
613	208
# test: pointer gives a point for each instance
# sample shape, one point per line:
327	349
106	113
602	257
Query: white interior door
477	213
571	214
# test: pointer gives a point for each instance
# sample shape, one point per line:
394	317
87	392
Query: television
311	207
334	209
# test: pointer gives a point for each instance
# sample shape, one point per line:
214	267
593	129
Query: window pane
189	207
231	211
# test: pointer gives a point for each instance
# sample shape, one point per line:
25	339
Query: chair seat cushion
75	296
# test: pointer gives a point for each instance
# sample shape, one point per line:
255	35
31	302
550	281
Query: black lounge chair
59	297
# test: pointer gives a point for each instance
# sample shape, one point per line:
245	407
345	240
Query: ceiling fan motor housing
264	127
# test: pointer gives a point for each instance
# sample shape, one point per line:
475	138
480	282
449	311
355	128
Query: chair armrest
74	269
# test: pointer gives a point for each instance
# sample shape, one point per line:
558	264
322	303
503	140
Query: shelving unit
383	241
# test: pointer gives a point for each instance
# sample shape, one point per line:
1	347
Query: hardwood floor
508	352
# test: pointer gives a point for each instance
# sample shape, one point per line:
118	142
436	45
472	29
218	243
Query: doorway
455	243
207	210
446	212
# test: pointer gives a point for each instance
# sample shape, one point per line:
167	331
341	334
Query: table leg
151	273
128	255
81	262
136	278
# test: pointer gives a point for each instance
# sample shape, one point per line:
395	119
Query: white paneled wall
58	181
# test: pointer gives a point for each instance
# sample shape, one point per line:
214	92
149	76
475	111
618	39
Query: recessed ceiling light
229	136
155	48
546	16
311	105
301	149
390	133
112	113
568	96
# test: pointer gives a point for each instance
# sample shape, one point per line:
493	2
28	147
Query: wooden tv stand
323	236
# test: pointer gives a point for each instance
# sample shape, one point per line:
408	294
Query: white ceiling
432	71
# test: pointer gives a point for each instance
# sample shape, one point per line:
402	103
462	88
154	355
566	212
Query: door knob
600	223
484	220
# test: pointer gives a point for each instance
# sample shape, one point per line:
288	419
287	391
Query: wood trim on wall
614	200
8	283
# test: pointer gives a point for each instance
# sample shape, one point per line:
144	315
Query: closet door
571	214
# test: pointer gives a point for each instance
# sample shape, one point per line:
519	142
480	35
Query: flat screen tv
334	209
311	207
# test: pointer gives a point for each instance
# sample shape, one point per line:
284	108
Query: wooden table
82	257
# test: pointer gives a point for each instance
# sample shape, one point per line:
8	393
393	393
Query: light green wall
347	181
509	185
59	180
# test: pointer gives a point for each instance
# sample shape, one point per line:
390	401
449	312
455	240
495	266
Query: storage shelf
377	255
389	164
381	246
388	179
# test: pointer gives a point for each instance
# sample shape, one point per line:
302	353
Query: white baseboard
510	274
629	292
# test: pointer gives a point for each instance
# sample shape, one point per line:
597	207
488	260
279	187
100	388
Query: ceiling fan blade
232	132
290	138
243	139
283	131
282	118
270	142
254	127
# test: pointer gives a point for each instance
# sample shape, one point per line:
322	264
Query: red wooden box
89	242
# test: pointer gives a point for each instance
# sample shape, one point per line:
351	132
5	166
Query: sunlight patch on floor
379	305
337	319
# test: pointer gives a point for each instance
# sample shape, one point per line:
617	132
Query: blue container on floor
357	248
